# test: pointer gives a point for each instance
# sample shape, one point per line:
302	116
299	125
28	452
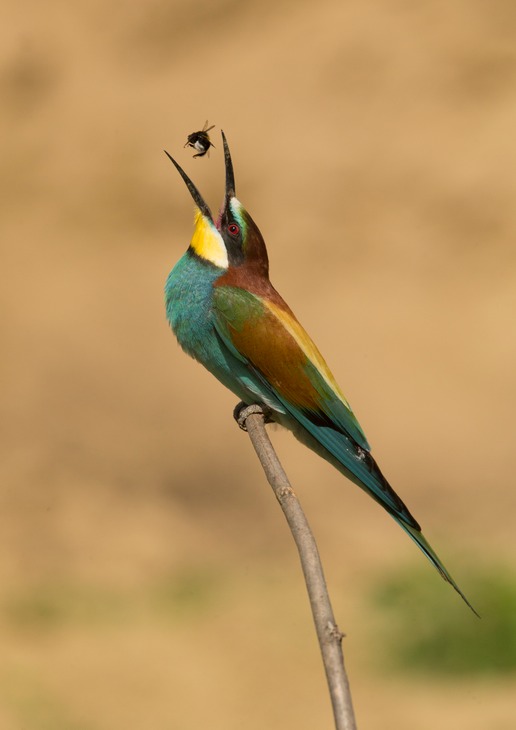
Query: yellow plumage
207	241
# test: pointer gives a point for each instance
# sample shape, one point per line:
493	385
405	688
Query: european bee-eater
227	315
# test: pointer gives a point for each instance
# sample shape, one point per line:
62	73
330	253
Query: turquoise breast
188	299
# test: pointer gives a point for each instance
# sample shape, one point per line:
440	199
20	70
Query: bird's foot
242	411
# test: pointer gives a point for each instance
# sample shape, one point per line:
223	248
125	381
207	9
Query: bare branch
252	419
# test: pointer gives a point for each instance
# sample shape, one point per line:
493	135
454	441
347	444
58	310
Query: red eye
233	229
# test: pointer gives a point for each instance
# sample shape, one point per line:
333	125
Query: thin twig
252	420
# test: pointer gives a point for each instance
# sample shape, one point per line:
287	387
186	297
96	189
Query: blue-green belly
188	297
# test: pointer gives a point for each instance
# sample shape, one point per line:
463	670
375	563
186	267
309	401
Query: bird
226	314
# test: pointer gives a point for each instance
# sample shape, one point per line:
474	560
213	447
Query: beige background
146	576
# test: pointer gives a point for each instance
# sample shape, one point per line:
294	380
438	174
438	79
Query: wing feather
273	342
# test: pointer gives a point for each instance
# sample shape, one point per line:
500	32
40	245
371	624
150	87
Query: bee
200	141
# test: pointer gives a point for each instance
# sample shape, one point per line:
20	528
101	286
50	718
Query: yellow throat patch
207	242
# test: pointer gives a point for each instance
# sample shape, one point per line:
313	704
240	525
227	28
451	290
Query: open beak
230	182
198	199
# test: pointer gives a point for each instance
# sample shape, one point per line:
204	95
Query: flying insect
200	141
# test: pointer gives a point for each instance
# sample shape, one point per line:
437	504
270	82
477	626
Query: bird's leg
242	411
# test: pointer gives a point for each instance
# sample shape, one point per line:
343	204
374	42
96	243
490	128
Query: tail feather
426	548
359	466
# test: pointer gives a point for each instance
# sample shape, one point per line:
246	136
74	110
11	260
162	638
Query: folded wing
285	363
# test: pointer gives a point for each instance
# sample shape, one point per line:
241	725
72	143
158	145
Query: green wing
271	341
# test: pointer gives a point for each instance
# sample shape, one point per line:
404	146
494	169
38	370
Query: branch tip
242	411
328	633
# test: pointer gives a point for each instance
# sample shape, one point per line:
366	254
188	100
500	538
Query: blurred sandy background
146	576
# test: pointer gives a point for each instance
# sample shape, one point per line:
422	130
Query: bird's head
233	240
